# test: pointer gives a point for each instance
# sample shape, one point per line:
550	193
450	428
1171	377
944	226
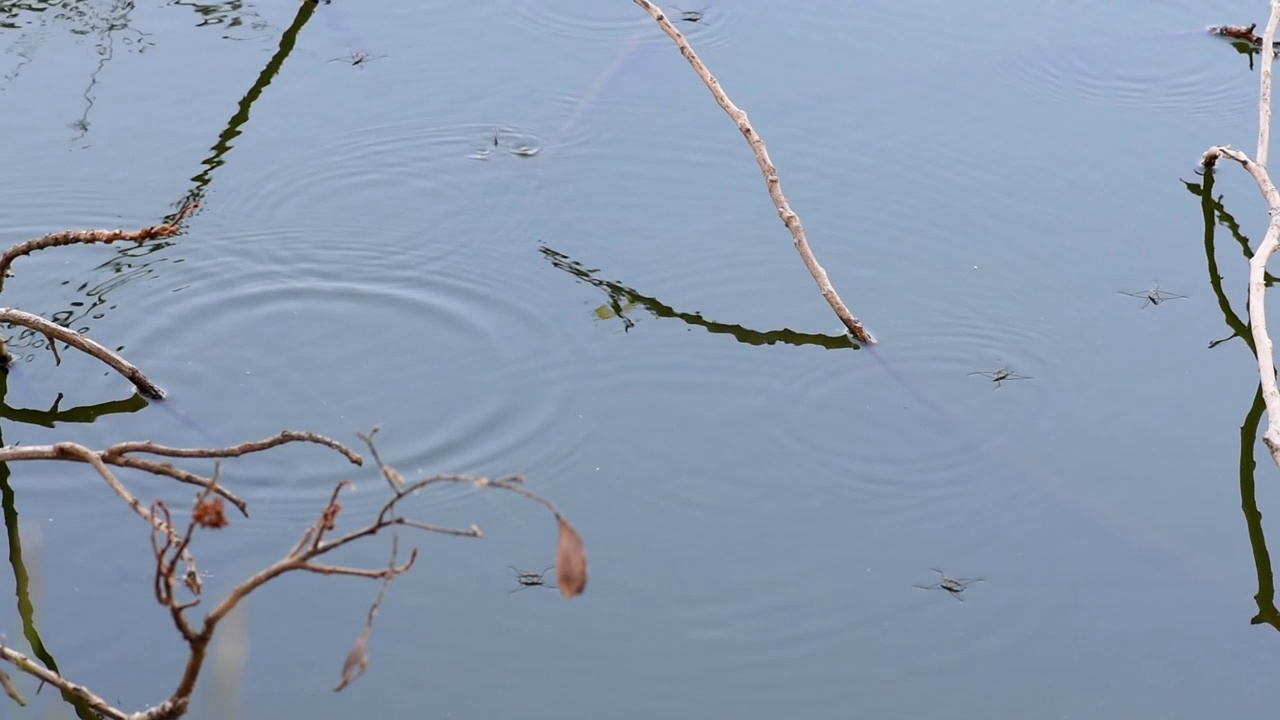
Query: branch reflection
622	299
1214	214
22	579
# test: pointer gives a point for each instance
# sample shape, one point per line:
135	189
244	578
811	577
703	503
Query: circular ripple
49	202
904	425
448	354
604	22
1094	57
402	171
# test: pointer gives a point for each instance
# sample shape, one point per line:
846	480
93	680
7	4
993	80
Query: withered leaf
571	561
210	513
357	661
10	690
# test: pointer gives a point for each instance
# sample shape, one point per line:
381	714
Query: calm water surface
621	318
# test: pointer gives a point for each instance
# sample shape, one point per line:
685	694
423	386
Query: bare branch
789	218
74	237
1264	81
390	474
85	345
52	452
473	531
26	665
1270	242
244	448
357	660
170	548
162	468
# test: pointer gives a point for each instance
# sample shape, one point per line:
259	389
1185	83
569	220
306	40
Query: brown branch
1238	32
170	548
76	237
244	448
52	452
162	468
1269	244
357	660
789	218
85	345
26	665
473	531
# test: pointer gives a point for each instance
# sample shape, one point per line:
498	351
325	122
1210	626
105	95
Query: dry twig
171	549
1258	263
74	237
54	331
789	218
44	675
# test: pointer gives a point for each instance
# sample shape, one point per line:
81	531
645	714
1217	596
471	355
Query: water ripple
611	22
49	203
352	306
909	434
1094	56
400	170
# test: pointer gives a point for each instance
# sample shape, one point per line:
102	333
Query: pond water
523	238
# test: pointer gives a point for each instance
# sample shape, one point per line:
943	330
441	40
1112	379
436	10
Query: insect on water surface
999	375
1153	296
953	586
530	579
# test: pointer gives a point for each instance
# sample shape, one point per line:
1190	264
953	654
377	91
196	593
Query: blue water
620	317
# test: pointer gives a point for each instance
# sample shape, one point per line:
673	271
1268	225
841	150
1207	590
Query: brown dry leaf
357	661
329	519
210	513
10	690
571	561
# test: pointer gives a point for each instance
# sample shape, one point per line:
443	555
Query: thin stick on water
789	218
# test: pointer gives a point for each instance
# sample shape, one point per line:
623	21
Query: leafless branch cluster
176	578
177	581
1257	168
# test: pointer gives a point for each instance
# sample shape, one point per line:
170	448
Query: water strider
999	375
691	16
357	58
953	586
530	579
1153	296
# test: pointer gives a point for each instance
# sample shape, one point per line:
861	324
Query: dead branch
120	455
357	660
789	218
244	448
76	237
54	331
44	675
313	543
1238	32
1258	263
172	549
